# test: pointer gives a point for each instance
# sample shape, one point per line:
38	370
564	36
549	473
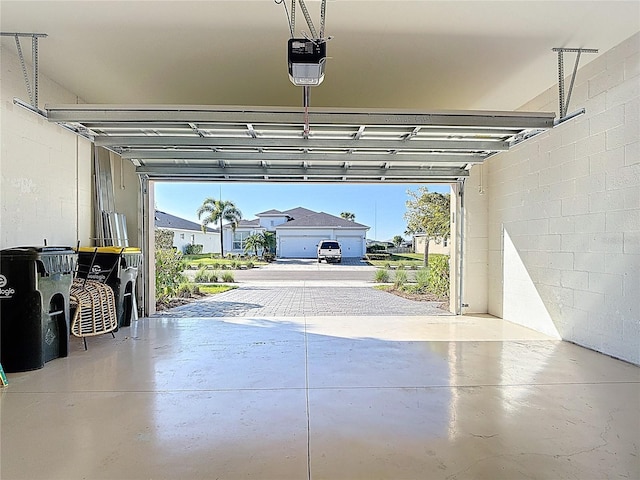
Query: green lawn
199	261
408	260
213	289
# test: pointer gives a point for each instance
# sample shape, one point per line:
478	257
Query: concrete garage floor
323	397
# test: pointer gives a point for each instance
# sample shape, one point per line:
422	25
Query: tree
216	211
428	214
254	242
269	242
397	240
264	241
348	216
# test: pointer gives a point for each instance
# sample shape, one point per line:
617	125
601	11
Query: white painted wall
434	247
564	211
266	221
45	185
210	241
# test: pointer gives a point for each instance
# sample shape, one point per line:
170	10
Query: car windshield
329	245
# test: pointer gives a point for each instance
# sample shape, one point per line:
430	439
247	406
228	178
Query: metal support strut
32	89
564	106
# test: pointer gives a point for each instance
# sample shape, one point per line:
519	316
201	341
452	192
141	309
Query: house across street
299	231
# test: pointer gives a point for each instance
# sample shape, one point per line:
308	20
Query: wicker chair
95	309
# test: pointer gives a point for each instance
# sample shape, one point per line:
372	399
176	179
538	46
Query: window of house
238	240
182	236
193	239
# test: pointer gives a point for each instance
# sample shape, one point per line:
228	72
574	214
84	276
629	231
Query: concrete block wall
45	185
564	214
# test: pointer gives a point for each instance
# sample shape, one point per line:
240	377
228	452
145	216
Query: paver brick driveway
294	301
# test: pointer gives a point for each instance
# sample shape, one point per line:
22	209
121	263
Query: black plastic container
118	268
34	305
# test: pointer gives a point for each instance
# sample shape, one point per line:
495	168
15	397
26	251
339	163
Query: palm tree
254	242
268	242
348	216
263	240
217	211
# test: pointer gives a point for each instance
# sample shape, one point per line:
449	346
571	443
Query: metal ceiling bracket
32	90
564	106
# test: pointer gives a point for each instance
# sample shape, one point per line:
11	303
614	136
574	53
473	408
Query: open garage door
268	144
351	246
299	246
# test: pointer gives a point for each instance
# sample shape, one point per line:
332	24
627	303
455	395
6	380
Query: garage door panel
351	246
299	246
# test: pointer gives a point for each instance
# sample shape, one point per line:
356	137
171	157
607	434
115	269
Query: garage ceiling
391	55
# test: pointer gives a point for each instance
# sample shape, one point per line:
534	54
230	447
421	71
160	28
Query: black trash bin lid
53	259
31	250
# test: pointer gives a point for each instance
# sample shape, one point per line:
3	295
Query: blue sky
379	206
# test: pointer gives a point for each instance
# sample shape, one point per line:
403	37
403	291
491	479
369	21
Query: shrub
202	276
422	279
215	265
400	278
412	288
382	275
227	277
164	239
377	256
184	290
193	249
169	267
439	275
249	265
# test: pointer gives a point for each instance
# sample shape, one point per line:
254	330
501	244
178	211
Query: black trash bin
118	268
34	305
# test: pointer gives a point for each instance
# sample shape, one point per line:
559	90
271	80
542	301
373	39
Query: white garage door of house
351	246
299	247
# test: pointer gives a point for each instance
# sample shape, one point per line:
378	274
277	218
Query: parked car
329	251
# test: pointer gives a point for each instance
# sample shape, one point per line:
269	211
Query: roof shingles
166	220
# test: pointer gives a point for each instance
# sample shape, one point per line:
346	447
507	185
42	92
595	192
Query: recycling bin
34	305
118	268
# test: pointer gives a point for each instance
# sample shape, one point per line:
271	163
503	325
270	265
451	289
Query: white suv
329	251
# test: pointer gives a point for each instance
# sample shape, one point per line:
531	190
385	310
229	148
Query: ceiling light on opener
306	59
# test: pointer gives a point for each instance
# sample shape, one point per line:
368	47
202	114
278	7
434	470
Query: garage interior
537	378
